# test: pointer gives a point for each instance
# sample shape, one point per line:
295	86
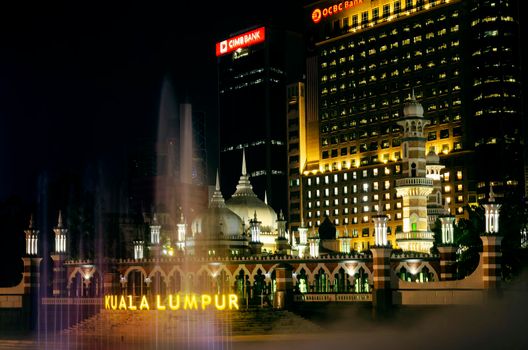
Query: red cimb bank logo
243	40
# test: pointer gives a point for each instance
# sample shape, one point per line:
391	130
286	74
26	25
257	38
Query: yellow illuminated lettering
217	303
172	306
122	303
233	301
158	303
190	302
206	300
130	305
144	303
113	302
107	302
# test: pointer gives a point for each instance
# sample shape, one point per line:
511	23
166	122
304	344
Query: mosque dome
432	158
245	203
413	108
217	219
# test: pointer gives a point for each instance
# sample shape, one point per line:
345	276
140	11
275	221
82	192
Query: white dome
217	220
413	108
246	207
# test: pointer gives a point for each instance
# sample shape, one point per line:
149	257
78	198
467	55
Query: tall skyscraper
254	67
364	59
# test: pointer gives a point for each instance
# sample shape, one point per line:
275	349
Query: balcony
401	236
414	181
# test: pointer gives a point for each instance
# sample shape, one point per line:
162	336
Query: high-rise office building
254	67
364	59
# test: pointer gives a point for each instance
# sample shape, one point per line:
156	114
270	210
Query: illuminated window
364	18
397	7
386	11
459	175
387	206
366	208
387	195
398	216
375	14
375	186
364	198
365	187
447	188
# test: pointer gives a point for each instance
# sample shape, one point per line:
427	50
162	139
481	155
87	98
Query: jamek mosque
241	247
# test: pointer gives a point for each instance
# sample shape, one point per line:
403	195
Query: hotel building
364	59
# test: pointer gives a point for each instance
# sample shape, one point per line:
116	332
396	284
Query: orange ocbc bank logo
318	13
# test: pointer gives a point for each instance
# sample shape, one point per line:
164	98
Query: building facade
364	59
254	67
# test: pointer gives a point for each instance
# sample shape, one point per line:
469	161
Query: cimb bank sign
240	41
172	302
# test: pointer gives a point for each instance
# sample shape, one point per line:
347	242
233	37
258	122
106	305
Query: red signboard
243	40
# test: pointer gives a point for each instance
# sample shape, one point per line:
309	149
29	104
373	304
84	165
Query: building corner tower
414	187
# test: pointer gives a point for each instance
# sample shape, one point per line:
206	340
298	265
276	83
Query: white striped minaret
281	242
314	244
381	264
31	272
182	232
491	245
447	249
254	229
303	239
414	187
58	257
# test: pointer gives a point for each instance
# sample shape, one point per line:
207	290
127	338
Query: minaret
491	246
138	248
380	228
31	239
491	214
314	244
155	229
435	208
282	244
414	187
303	239
255	243
58	257
182	231
31	274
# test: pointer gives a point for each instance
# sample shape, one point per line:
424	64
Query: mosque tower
414	187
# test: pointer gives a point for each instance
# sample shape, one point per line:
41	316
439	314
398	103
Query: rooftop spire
59	221
244	170
413	96
31	222
217	201
244	188
265	197
491	194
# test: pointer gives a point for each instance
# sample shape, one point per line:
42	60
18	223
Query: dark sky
79	80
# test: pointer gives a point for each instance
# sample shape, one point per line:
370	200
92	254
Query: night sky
78	81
